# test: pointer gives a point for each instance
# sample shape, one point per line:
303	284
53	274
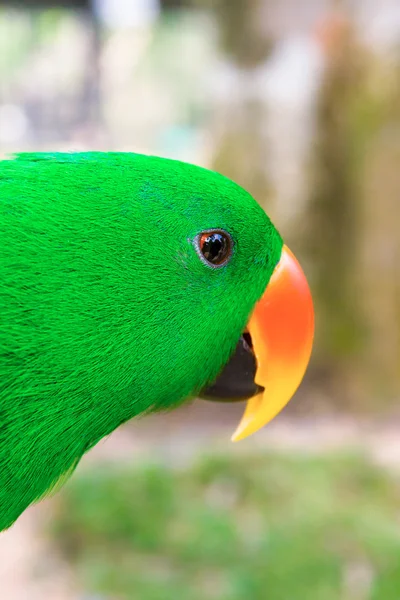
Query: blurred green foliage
265	527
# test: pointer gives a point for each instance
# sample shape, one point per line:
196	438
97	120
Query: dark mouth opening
236	381
247	338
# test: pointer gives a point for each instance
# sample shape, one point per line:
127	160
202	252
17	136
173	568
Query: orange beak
282	331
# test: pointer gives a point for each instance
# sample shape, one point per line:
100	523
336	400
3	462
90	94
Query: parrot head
130	284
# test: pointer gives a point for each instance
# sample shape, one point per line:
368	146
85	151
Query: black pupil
214	248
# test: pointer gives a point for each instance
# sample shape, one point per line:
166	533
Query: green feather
107	311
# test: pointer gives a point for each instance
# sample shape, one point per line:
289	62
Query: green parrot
130	284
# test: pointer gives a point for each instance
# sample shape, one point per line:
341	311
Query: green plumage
106	310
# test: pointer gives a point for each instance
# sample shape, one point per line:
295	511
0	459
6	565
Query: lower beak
282	330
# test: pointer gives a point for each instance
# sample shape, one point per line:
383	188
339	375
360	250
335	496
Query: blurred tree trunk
353	228
379	241
240	151
331	225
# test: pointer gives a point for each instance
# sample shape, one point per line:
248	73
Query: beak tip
241	432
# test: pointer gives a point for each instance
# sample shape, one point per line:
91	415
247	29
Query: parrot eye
215	247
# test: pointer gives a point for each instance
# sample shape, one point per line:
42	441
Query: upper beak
282	330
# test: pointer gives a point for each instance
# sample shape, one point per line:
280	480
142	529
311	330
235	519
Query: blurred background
300	103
